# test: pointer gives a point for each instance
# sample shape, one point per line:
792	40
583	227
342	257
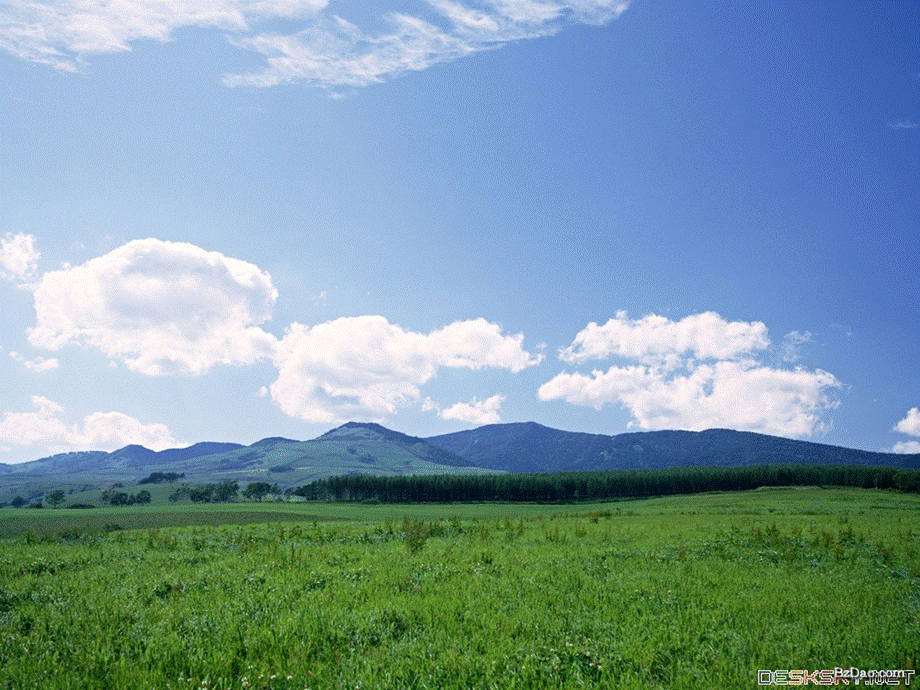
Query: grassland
679	592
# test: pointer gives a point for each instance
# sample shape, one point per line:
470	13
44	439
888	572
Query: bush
415	534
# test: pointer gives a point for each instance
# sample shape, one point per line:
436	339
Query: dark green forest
588	486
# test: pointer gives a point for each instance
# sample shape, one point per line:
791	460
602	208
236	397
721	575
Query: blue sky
239	219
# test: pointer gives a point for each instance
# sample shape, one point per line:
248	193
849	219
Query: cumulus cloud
97	431
657	340
160	307
328	50
910	424
474	412
18	256
364	367
173	308
697	373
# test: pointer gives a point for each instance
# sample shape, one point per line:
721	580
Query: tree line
123	498
607	484
223	492
162	478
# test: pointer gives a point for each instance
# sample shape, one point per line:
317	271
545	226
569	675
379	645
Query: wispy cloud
791	347
64	33
333	52
18	257
38	364
329	51
697	373
904	124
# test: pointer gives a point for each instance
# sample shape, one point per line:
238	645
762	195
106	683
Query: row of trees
201	493
162	478
574	486
207	493
223	492
122	498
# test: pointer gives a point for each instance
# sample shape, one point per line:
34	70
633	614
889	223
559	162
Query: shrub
415	534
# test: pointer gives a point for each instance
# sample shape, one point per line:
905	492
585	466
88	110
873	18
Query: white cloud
61	33
474	412
657	340
328	51
904	124
906	447
475	344
98	431
334	52
364	367
910	424
160	307
670	388
171	308
18	256
38	364
792	345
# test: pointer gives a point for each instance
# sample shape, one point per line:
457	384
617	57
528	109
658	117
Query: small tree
120	498
201	494
182	492
55	498
18	502
257	490
225	491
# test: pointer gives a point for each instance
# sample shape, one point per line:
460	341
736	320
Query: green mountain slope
530	447
348	450
358	448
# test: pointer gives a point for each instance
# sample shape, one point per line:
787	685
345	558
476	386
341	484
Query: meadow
696	591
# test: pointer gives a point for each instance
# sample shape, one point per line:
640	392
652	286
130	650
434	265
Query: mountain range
365	448
531	447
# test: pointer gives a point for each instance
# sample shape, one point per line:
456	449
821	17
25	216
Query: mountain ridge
532	447
369	448
351	449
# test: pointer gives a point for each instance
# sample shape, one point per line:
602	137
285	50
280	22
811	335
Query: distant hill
531	447
351	449
124	463
196	451
358	431
359	448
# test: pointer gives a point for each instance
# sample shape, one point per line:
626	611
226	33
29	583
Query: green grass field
680	592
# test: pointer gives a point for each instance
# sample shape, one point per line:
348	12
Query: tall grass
683	592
